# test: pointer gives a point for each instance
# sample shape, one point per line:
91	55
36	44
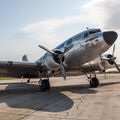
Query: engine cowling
56	57
110	59
52	61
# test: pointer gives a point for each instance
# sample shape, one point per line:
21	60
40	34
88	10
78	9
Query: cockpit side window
98	30
91	32
78	37
95	31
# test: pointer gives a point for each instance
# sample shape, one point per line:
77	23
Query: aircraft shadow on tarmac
28	96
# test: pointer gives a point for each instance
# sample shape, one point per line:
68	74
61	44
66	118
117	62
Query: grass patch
109	73
6	78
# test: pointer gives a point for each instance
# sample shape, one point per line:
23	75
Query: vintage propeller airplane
81	54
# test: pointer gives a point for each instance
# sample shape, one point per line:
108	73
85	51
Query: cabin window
60	46
78	37
86	35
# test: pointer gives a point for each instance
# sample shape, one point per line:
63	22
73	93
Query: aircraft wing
93	66
97	66
17	69
29	69
86	68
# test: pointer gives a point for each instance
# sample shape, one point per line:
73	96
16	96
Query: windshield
91	32
94	31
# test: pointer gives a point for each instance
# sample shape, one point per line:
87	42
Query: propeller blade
62	69
105	58
46	49
103	66
68	49
116	65
113	50
100	57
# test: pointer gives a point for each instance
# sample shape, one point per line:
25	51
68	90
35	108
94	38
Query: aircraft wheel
94	82
28	81
44	85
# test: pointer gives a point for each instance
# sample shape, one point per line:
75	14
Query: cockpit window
91	32
94	31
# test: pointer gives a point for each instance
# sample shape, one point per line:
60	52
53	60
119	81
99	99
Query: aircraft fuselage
86	47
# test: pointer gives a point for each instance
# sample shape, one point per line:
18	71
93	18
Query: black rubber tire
94	82
28	81
44	85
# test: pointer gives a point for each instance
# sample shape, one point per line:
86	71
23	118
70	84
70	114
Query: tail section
24	58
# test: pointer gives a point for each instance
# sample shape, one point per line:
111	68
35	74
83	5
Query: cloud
50	25
104	13
100	13
48	32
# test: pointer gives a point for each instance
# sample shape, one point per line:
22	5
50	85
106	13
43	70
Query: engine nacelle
109	57
52	61
56	58
111	62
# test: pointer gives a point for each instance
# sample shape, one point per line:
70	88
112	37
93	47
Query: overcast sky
24	24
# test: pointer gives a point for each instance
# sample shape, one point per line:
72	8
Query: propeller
62	69
111	59
116	65
60	56
46	49
113	50
103	67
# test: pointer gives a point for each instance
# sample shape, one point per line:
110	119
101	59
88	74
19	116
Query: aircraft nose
110	37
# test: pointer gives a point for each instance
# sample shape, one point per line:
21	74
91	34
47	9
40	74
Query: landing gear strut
28	81
44	84
94	82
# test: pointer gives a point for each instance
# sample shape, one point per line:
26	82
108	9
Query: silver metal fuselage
83	51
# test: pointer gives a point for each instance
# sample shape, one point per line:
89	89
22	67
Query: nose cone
110	37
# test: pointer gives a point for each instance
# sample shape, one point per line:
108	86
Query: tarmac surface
67	100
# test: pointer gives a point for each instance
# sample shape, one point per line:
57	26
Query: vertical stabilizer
24	58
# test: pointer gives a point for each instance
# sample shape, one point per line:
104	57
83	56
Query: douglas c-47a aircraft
81	54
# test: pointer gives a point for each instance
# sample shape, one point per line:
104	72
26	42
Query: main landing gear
44	84
94	82
28	81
